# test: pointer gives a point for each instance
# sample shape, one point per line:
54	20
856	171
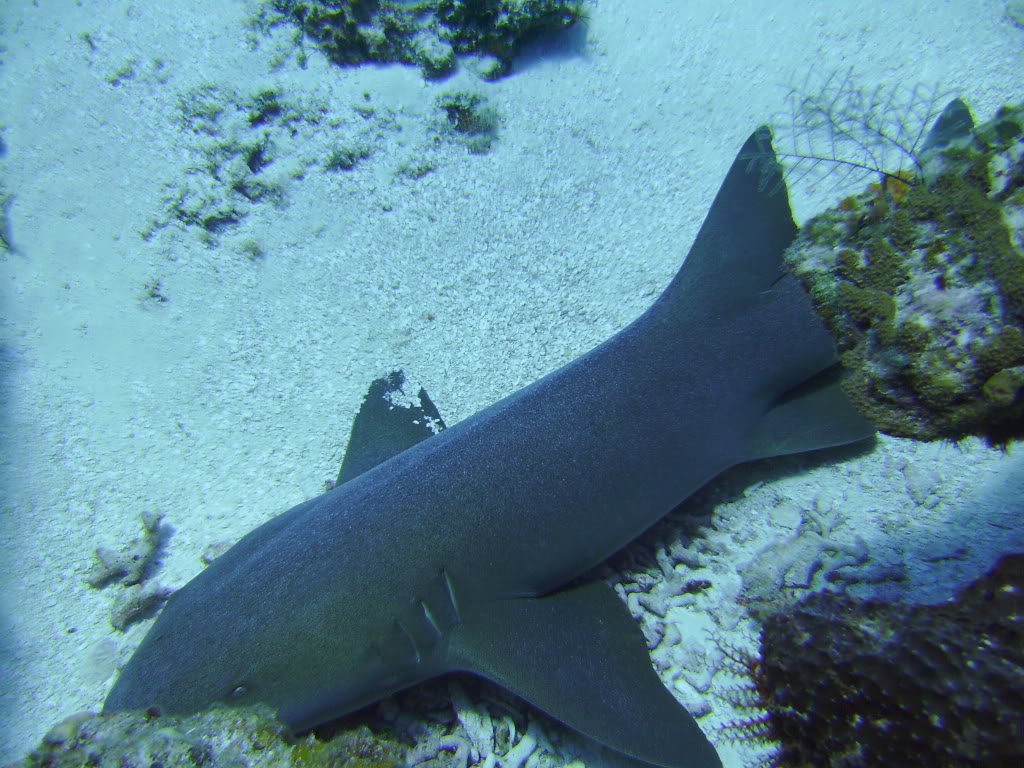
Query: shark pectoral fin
579	656
384	428
816	414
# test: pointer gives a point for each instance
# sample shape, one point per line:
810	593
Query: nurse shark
464	550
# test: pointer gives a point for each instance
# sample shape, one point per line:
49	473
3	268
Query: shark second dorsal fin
384	427
578	655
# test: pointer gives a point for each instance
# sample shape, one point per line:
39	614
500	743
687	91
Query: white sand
232	400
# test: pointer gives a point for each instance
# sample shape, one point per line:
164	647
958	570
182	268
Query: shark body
462	551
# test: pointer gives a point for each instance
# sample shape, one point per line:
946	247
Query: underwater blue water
214	239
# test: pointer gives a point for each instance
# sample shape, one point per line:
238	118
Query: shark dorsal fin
384	427
954	124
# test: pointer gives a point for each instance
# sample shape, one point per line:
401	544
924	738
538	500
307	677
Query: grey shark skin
455	554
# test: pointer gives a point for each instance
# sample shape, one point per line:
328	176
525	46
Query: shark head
211	643
278	619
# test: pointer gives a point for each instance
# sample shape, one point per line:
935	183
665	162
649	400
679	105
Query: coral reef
792	561
850	683
920	279
470	722
837	133
1015	12
219	738
426	33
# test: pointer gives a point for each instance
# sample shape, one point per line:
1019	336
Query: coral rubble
131	567
217	738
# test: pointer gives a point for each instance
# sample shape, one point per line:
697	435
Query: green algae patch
921	282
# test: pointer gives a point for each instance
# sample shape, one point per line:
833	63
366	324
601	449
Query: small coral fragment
469	118
1004	387
136	602
215	550
128	566
67	729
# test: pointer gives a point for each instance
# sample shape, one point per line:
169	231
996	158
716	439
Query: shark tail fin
734	280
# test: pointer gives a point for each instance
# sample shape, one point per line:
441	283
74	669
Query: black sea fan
842	134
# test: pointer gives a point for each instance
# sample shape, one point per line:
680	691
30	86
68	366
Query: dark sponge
849	682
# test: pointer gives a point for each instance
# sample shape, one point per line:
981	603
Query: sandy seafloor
231	400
